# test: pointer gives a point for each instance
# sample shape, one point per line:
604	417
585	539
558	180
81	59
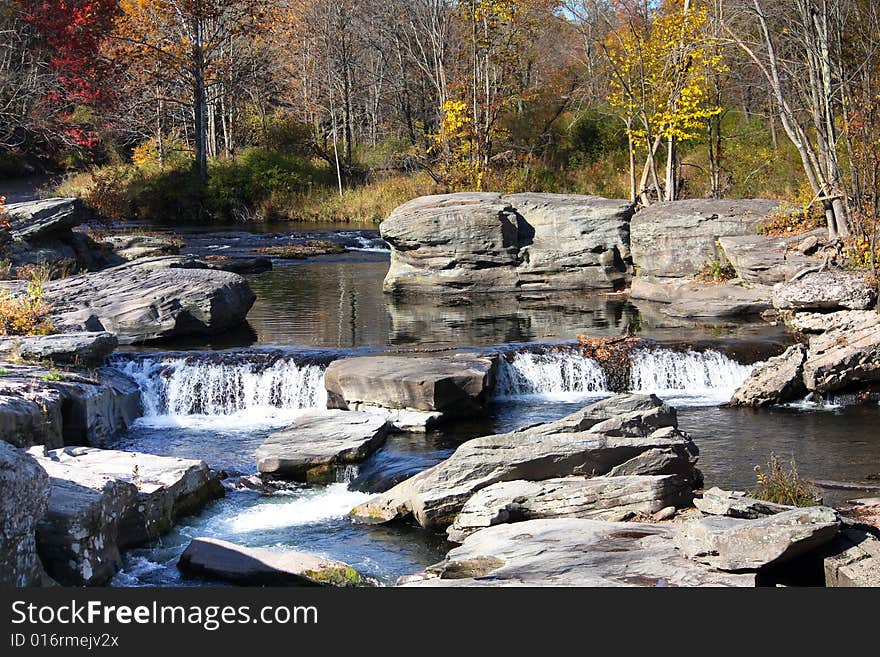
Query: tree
795	46
661	61
190	45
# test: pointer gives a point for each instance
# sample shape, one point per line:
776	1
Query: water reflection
337	302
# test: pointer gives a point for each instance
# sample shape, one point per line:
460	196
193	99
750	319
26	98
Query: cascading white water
708	374
177	387
695	376
557	373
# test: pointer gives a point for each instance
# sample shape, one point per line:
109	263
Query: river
218	400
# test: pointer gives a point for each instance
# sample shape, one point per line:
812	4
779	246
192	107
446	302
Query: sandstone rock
83	349
853	560
777	381
687	298
573	552
809	244
812	323
435	496
246	566
241	266
597	498
142	304
34	220
102	501
132	247
734	544
848	354
24	493
483	242
825	291
735	504
455	387
311	447
42	407
768	260
678	238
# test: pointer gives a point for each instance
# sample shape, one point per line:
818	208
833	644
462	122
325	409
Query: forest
340	109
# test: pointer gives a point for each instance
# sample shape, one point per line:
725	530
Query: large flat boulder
678	238
736	544
825	291
626	444
141	304
246	566
316	443
597	498
487	243
452	386
847	355
24	494
689	299
132	247
767	260
102	501
34	220
81	349
776	381
572	552
52	408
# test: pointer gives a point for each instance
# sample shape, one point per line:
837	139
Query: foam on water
690	377
200	393
693	376
303	508
555	375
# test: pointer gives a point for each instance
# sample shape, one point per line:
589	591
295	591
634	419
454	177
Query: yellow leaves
661	74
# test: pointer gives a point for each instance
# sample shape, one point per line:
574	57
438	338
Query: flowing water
219	402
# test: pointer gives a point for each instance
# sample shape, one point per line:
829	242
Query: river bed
218	401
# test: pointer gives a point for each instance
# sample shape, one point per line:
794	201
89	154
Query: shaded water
219	406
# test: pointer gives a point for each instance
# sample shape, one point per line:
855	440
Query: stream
217	401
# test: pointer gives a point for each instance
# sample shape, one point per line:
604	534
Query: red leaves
73	31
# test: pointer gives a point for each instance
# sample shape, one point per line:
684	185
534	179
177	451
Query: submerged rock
572	552
777	381
84	349
213	558
629	443
735	544
140	303
485	243
318	441
597	498
455	386
677	239
24	494
104	500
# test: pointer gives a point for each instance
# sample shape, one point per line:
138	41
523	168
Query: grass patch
779	485
53	376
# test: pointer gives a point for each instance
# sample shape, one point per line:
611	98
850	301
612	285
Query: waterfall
692	376
557	373
708	374
259	389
